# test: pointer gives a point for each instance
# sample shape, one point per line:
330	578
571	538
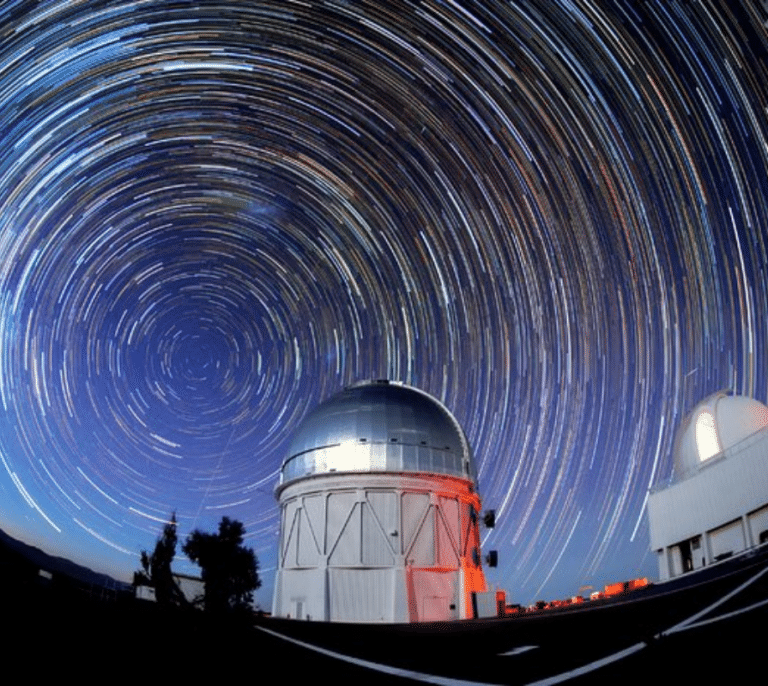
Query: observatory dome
379	426
718	423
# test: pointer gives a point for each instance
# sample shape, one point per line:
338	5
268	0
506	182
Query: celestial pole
213	215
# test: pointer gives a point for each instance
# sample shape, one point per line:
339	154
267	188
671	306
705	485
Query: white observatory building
379	511
717	503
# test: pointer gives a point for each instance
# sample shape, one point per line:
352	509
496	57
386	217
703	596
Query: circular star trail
214	215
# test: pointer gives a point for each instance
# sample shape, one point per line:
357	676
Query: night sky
213	215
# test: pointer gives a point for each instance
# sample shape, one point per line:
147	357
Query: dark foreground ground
95	643
712	631
54	639
707	628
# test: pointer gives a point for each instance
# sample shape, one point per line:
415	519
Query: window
707	441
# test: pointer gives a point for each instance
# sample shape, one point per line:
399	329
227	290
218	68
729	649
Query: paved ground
703	632
713	629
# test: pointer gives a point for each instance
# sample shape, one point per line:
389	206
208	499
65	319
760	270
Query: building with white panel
379	512
717	502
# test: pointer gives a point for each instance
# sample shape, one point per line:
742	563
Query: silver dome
379	426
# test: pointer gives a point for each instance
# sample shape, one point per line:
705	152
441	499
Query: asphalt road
696	630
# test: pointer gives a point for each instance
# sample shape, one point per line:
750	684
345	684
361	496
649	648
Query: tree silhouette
229	569
156	569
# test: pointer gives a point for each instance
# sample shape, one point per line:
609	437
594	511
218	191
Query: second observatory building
717	503
379	511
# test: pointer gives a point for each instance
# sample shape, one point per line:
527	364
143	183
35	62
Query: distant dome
716	424
379	426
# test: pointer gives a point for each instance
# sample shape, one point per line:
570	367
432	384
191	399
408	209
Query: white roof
716	424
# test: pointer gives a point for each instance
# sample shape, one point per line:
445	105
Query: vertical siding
422	550
314	511
302	594
376	554
413	509
361	595
290	531
347	549
758	523
384	506
448	533
727	539
307	548
434	595
338	510
376	543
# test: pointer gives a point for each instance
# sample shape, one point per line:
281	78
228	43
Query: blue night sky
213	215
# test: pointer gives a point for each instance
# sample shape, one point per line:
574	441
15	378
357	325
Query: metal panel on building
727	540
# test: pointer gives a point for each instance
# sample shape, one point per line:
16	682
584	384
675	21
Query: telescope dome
717	424
379	426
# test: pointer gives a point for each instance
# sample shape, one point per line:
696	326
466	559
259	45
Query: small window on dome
707	441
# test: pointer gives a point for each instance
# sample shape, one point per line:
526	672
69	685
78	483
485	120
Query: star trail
213	215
